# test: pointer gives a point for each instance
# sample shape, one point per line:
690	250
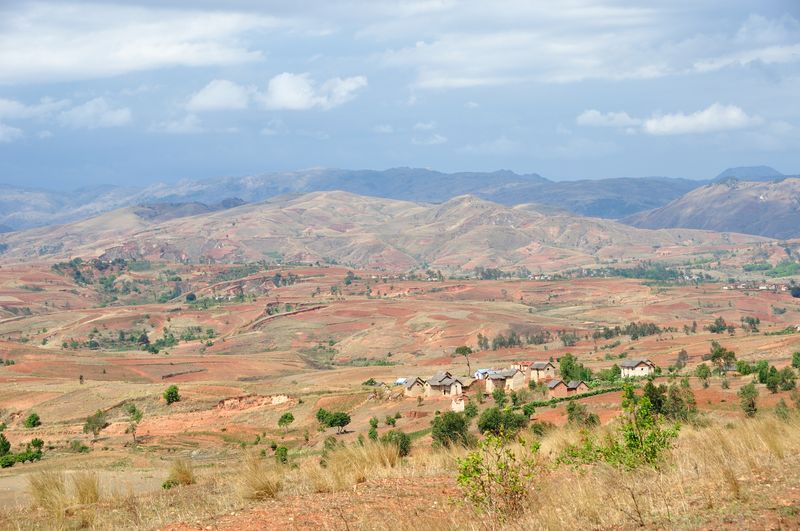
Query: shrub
499	396
496	479
399	439
450	429
171	395
5	446
285	420
390	420
95	423
470	410
32	421
747	397
496	421
782	410
578	415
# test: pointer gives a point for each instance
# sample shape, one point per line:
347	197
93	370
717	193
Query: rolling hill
769	209
339	227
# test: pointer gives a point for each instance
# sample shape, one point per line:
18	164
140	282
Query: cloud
384	129
433	140
274	127
189	124
296	92
54	42
424	126
499	146
16	110
8	133
95	114
594	118
220	94
714	118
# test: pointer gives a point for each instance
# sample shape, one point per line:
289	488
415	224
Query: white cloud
44	134
95	114
51	42
499	146
189	124
274	127
8	133
15	109
220	94
433	140
424	126
714	118
595	118
289	91
384	129
471	105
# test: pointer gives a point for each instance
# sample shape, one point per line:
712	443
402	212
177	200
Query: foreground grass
712	476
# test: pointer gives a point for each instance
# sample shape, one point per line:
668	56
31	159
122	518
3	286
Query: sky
137	92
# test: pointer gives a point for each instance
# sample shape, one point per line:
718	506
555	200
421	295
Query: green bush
450	429
497	421
32	421
171	395
399	439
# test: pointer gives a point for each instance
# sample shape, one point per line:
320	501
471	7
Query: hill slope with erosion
339	227
769	209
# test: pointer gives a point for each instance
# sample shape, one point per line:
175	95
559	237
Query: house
507	379
557	388
542	371
443	384
481	374
414	386
636	368
576	387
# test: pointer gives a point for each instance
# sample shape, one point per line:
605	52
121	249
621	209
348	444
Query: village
518	376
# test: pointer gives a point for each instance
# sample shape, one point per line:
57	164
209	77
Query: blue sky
138	92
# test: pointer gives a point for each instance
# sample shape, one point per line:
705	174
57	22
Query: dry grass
350	465
86	486
49	491
260	479
181	472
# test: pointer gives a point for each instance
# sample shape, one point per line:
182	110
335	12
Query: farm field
245	346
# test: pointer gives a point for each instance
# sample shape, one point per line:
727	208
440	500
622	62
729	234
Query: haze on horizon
137	92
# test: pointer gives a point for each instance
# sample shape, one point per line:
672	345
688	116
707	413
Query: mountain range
365	231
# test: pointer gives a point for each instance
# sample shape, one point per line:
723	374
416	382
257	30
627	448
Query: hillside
22	208
769	209
339	227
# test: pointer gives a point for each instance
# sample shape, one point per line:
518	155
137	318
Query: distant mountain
764	208
22	208
750	173
463	232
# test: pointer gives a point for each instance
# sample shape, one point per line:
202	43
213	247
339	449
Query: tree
499	396
285	420
470	410
570	369
721	357
95	423
578	415
32	421
5	446
747	398
656	394
171	395
796	360
134	418
465	351
338	420
282	455
450	429
703	372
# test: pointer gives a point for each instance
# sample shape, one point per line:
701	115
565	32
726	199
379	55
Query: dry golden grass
49	491
181	472
260	479
86	486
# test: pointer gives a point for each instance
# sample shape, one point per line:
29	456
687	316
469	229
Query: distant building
414	386
507	379
443	384
557	388
636	368
576	387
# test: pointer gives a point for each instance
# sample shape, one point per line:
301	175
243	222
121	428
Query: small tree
282	455
5	446
285	420
171	395
496	421
399	439
450	429
465	351
339	420
796	360
703	372
747	397
499	396
134	418
95	424
470	410
32	421
578	415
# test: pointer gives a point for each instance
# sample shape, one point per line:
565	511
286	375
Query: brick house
636	368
